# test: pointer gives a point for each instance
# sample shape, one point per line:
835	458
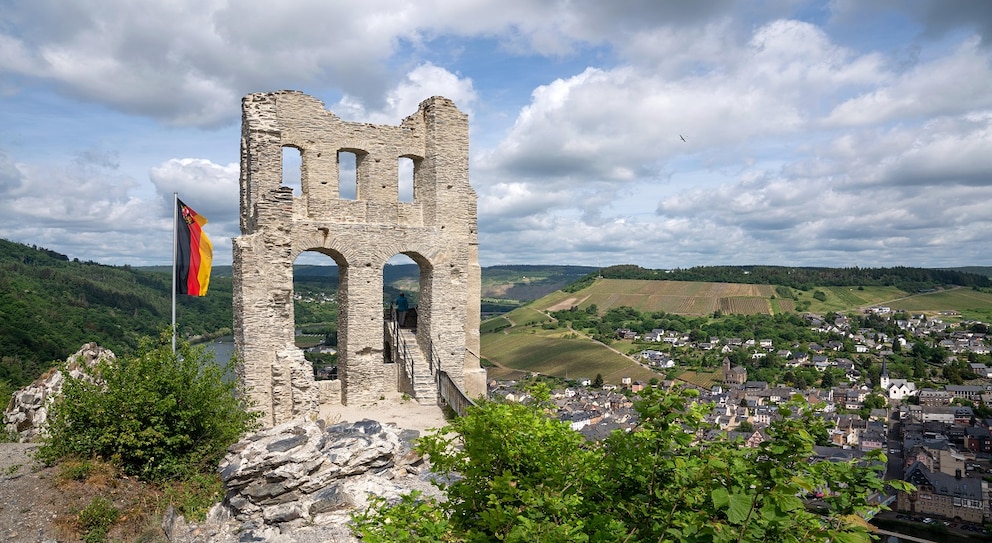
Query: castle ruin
437	230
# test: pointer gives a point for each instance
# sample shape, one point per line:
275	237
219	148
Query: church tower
883	379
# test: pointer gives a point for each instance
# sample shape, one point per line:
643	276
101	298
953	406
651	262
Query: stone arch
437	230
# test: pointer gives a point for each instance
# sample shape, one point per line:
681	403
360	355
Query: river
222	347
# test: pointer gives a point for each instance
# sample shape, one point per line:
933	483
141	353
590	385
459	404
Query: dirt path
29	502
38	505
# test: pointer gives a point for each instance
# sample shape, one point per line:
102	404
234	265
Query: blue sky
839	133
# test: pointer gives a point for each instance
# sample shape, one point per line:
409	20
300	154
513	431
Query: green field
526	316
972	304
704	380
847	299
494	324
702	298
550	353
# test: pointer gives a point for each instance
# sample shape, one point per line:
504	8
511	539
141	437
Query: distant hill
704	298
525	283
215	271
802	278
50	305
508	282
526	340
977	270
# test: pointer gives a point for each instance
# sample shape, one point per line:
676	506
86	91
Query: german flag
194	253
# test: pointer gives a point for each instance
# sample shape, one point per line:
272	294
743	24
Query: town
912	385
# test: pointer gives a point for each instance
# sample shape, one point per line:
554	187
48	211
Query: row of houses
865	340
940	447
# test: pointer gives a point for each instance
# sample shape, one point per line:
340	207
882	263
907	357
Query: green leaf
720	497
740	506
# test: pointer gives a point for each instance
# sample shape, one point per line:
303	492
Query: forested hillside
907	279
50	305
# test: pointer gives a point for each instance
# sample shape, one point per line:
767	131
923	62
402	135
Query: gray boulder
27	411
301	481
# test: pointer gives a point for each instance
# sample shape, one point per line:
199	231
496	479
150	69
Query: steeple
883	379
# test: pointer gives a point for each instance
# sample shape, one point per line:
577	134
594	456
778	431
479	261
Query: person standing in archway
402	306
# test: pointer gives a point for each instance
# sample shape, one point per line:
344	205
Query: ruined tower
438	230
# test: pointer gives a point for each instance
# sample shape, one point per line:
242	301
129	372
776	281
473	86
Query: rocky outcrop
27	412
300	482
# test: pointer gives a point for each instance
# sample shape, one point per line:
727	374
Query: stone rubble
27	411
300	481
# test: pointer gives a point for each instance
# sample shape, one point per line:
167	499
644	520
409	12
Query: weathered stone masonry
437	230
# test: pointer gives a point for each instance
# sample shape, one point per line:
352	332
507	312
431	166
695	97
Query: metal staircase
420	373
416	368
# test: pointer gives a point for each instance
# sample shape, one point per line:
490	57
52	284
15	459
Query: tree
598	381
157	415
518	475
874	401
828	379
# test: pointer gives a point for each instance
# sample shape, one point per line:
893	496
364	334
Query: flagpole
175	248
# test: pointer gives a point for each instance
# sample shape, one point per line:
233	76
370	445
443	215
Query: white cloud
947	85
79	208
211	189
807	140
421	83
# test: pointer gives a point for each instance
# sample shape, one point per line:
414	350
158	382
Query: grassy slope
845	299
701	298
526	347
534	350
972	304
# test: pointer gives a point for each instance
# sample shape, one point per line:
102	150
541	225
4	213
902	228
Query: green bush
96	519
518	475
77	470
194	496
156	415
6	391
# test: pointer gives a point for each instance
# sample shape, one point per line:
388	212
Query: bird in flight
680	135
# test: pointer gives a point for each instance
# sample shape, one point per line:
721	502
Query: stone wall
438	230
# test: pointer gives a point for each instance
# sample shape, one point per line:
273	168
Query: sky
666	134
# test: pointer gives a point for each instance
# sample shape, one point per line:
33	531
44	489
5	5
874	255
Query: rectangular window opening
347	175
292	169
405	179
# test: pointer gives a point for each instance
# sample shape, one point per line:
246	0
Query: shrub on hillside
155	414
518	475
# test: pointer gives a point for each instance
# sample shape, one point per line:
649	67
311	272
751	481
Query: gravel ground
29	502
